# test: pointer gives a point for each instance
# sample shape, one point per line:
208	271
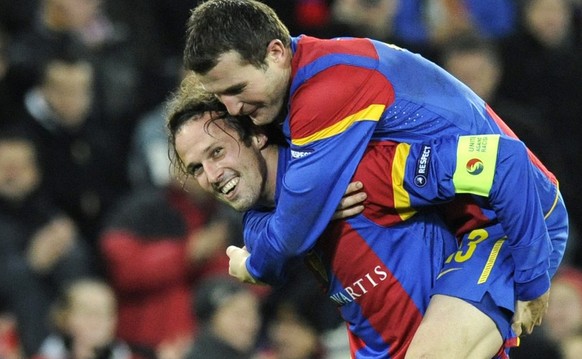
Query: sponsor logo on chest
360	287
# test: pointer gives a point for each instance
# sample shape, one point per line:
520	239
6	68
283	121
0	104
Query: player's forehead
202	132
230	72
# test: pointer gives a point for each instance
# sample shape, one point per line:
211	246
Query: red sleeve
315	115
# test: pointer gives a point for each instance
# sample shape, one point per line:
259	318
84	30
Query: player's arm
497	169
310	193
333	114
350	205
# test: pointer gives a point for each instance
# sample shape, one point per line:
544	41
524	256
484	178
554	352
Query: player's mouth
252	113
229	187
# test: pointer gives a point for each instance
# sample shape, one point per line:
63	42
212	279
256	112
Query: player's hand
237	264
351	203
529	314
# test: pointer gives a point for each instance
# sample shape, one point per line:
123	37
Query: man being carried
380	266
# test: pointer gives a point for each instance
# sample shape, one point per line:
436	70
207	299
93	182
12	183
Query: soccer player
379	266
333	97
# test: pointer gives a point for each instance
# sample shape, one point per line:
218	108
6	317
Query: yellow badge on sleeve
476	161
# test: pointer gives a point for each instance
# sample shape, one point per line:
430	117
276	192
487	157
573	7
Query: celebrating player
334	97
378	268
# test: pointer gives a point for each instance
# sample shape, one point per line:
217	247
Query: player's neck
271	155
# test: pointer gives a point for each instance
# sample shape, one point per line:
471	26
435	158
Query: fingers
526	318
516	327
520	328
352	200
354	187
345	213
529	329
351	203
231	250
517	321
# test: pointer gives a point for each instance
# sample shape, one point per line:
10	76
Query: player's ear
260	140
277	52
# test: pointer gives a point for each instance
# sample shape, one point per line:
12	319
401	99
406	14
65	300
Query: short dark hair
216	27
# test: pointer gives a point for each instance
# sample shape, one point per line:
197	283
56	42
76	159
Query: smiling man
334	97
366	261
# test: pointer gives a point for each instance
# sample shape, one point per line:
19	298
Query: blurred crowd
104	254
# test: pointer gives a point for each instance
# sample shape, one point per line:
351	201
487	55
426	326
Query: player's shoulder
339	49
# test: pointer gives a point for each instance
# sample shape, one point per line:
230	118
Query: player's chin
258	121
237	204
262	117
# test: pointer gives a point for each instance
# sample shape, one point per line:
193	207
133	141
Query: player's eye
195	170
234	90
218	152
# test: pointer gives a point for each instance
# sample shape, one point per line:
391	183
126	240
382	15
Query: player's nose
214	173
232	103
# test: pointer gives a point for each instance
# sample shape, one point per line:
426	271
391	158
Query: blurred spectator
298	319
148	160
542	68
229	315
374	19
572	346
541	59
83	25
40	247
420	26
562	326
365	18
441	20
304	16
157	29
81	162
158	245
9	340
142	67
475	62
564	317
84	319
431	23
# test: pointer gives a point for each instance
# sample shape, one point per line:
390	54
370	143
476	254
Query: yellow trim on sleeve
371	113
476	162
401	197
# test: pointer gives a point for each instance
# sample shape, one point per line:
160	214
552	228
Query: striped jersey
347	92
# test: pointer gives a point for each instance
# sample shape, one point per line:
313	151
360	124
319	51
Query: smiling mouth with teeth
229	186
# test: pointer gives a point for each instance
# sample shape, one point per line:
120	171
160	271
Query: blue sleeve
515	199
503	175
316	179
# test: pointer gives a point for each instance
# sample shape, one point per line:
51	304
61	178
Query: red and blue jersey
348	92
379	274
381	266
